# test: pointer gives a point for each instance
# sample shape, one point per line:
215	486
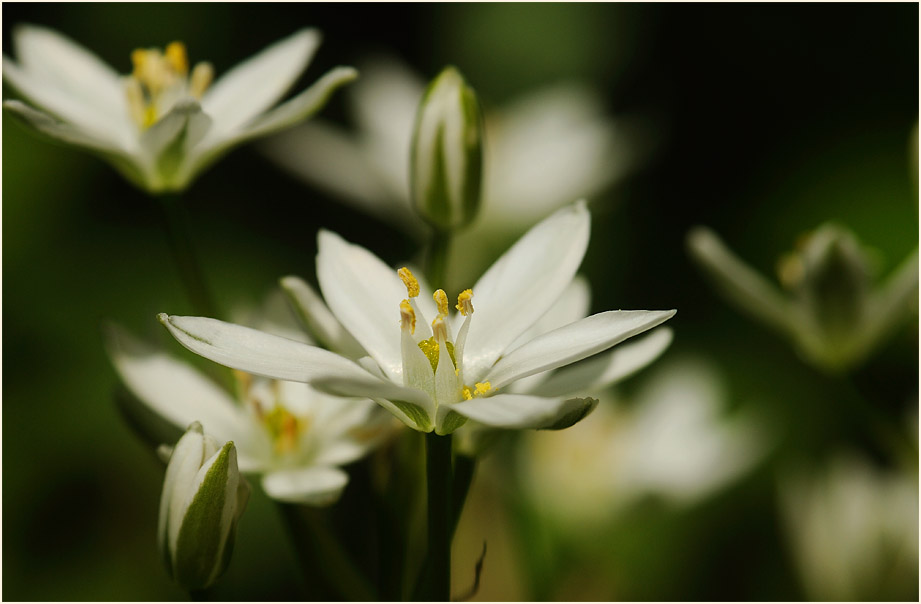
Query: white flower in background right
674	441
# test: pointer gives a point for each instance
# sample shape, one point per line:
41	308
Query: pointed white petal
605	369
256	352
318	486
317	317
572	305
301	106
519	411
573	342
175	390
58	60
523	284
365	295
83	116
742	285
253	86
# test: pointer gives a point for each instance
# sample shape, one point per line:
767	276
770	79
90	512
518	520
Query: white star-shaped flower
435	376
164	123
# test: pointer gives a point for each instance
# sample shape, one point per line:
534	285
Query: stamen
439	329
465	302
441	299
177	58
407	316
483	388
479	389
136	104
201	78
412	285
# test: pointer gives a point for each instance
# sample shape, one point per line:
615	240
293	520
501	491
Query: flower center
423	351
159	79
264	398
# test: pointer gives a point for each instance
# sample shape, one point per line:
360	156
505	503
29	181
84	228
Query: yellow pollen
284	428
177	58
465	302
407	316
412	285
441	299
479	389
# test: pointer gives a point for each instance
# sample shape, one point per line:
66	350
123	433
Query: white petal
319	486
256	352
54	58
317	317
572	305
64	132
519	411
253	86
574	342
76	111
749	290
523	284
606	369
175	390
301	106
365	295
184	126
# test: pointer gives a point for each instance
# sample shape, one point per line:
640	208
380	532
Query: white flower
835	314
853	530
540	152
672	441
164	123
435	376
292	435
203	498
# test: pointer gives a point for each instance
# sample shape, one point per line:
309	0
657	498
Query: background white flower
161	125
673	440
853	530
292	435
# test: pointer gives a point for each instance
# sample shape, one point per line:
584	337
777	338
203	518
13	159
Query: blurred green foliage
767	120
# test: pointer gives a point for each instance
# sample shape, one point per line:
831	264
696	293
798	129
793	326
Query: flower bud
447	154
203	497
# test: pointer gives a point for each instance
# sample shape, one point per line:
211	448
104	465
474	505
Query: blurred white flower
541	152
163	124
674	441
203	498
435	377
292	435
853	530
835	314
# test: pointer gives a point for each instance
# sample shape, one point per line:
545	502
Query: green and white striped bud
446	165
203	497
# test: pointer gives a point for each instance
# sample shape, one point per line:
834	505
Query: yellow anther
139	58
465	302
201	78
483	388
150	117
412	285
177	58
468	394
441	299
407	316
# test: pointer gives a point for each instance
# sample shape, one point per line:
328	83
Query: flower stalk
439	485
180	242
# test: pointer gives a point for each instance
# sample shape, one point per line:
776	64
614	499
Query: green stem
439	483
180	241
439	247
319	550
464	467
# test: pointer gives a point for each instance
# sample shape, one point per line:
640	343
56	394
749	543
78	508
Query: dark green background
766	121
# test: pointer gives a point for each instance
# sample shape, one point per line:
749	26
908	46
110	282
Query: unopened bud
447	153
203	497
